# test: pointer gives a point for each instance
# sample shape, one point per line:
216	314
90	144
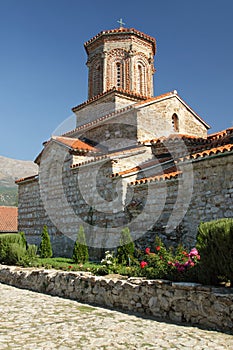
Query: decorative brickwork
123	60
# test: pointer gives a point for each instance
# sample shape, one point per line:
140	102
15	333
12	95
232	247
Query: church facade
133	159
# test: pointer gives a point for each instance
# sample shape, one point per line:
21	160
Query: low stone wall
180	302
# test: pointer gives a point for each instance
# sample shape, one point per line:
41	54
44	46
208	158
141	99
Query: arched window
96	79
175	123
118	75
140	80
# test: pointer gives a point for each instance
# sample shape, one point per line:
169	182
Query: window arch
175	123
141	77
96	79
118	75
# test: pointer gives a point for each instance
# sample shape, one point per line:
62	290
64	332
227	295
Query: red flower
143	264
185	253
147	251
70	267
158	248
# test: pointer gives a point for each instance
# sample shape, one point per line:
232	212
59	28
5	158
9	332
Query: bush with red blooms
170	263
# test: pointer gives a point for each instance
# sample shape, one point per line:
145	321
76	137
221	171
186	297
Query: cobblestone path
41	322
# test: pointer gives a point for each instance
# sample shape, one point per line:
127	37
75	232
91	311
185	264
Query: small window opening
175	123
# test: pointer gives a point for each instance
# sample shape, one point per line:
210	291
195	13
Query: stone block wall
73	202
155	120
178	302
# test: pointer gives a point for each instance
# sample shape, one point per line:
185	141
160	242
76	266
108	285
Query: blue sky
42	62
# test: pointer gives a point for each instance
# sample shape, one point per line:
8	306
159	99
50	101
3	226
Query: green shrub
80	251
14	250
6	240
16	254
125	251
215	245
45	249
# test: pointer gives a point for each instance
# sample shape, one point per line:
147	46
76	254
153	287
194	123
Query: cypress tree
80	251
45	249
126	249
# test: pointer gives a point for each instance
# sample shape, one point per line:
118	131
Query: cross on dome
120	21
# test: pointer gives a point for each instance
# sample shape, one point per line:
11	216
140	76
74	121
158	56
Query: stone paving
36	321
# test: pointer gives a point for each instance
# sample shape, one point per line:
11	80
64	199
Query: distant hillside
11	170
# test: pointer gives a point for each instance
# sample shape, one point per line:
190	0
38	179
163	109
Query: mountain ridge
11	170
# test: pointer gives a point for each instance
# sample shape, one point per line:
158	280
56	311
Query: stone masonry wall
155	120
209	196
148	209
178	302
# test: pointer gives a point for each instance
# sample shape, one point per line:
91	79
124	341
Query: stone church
133	160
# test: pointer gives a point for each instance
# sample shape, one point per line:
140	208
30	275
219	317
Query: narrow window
175	123
139	80
118	75
96	80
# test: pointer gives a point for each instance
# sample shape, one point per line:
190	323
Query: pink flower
193	252
158	248
143	264
147	251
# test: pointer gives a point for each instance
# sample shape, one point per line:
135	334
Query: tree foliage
214	243
80	251
126	249
45	249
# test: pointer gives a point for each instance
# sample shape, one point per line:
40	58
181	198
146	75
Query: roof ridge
157	178
107	92
122	30
208	152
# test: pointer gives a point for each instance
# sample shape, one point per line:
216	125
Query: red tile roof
211	151
122	31
75	144
171	137
168	176
28	178
8	219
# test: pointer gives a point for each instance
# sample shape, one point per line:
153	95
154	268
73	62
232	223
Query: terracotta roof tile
74	143
8	219
155	98
120	31
172	137
28	178
215	150
163	177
